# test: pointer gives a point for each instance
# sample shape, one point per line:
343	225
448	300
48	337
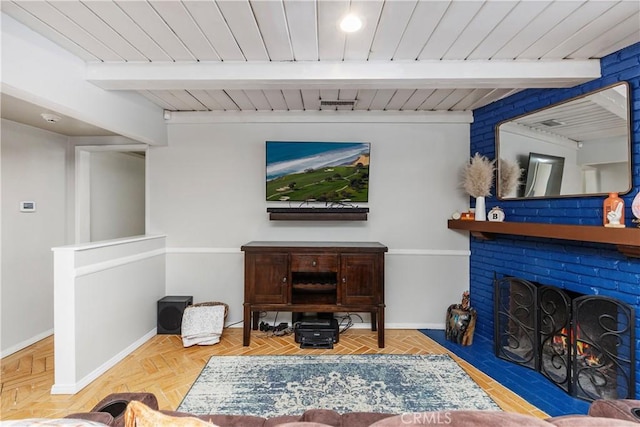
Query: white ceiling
24	112
288	55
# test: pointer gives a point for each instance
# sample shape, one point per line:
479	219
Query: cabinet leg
381	327
374	321
246	325
256	318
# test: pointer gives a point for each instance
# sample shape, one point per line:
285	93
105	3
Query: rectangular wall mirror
575	148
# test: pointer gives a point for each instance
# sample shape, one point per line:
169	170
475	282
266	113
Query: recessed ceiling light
350	23
50	118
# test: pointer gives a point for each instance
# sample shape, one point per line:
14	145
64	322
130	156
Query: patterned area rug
288	385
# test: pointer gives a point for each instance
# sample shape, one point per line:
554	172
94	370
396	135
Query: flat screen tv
544	175
330	172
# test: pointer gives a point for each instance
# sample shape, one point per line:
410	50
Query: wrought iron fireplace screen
582	343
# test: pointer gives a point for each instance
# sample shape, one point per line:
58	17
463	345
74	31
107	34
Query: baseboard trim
76	387
414	326
26	343
367	325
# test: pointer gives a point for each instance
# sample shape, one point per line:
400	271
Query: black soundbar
318	214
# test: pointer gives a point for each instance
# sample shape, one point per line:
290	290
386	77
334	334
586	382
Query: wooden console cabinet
314	277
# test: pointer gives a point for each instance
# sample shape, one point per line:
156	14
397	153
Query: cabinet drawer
314	262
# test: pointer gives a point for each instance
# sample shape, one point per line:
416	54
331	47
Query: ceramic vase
613	211
481	210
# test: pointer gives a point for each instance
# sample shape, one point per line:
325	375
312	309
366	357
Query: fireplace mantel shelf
627	239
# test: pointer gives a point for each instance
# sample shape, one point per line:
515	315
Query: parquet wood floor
167	369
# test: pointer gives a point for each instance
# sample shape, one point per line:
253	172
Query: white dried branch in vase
509	174
478	176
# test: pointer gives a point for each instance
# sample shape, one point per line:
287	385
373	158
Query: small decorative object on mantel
613	211
477	182
496	214
635	209
470	215
461	321
509	174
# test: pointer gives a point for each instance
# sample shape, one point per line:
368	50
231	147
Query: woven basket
210	303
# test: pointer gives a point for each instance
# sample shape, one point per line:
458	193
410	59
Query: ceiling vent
552	122
337	103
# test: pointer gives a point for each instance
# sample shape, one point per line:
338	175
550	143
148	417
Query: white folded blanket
202	325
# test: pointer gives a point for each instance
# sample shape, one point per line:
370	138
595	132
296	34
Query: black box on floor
316	333
170	311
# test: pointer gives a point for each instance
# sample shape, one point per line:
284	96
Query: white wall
609	159
117	186
610	150
33	168
38	165
207	194
614	177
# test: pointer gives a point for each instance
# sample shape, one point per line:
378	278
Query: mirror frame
575	98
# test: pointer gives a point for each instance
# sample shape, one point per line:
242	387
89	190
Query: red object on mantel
613	211
468	216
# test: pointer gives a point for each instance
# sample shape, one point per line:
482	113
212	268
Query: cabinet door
266	278
360	278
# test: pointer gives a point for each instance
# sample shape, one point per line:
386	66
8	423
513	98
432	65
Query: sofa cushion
588	421
281	419
52	422
226	420
462	419
362	419
322	416
623	409
303	424
99	417
138	414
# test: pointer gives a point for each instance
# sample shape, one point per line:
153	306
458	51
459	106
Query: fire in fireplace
582	343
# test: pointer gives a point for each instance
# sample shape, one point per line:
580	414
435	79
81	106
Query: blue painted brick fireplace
587	268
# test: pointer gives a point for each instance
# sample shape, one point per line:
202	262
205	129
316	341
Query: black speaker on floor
170	310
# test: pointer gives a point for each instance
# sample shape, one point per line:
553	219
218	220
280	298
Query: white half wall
41	72
33	169
207	194
105	302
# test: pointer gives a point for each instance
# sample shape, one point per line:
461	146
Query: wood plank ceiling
289	55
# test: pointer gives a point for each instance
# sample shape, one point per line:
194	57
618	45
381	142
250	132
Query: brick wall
587	268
